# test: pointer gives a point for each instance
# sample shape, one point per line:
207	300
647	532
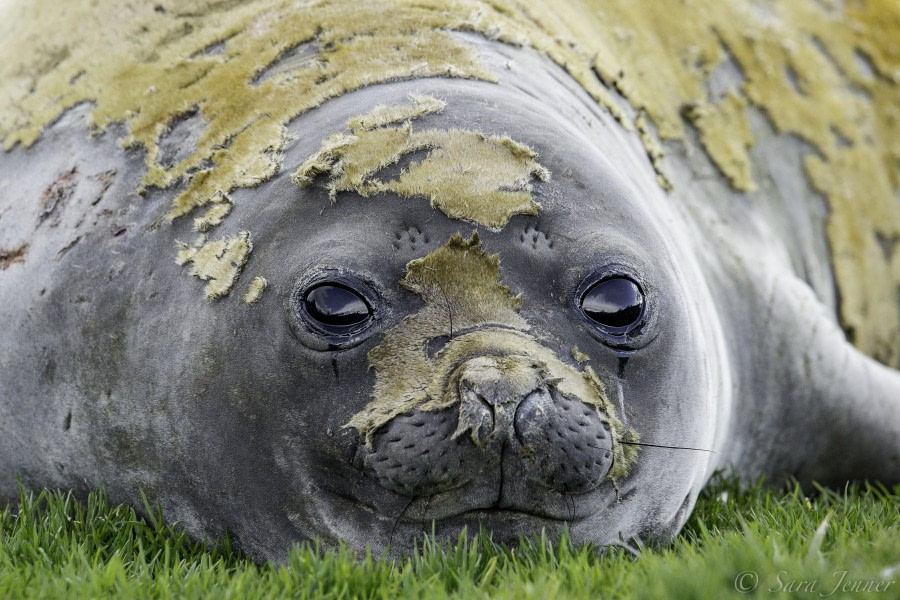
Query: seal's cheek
566	440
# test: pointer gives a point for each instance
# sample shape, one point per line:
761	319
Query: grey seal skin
116	373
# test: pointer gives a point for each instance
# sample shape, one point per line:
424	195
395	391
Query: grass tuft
836	544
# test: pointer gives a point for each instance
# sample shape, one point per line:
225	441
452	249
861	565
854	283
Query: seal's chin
474	505
402	520
504	526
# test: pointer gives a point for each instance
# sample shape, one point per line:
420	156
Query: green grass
53	547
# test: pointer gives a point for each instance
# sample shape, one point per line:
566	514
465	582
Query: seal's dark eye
616	304
336	309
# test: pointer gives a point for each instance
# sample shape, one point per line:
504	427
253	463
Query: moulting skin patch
654	150
215	214
459	282
220	262
381	116
725	132
661	70
255	289
578	355
145	66
467	175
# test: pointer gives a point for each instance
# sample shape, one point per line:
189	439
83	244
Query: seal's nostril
476	414
531	412
490	422
491	390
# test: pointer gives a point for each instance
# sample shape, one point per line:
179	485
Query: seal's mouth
425	510
493	518
559	508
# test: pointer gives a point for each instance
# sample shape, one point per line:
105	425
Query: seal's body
468	300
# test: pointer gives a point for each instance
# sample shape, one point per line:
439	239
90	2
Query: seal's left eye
336	309
616	304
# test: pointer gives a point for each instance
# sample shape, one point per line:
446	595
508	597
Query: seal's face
470	409
497	368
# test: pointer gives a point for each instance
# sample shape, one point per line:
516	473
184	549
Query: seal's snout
511	439
499	397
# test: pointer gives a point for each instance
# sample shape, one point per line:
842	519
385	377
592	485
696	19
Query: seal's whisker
408	504
668	447
397	520
586	480
572	511
425	512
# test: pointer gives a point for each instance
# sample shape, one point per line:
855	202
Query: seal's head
491	312
471	304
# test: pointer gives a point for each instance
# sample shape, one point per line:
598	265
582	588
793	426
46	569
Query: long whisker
397	520
400	516
586	480
425	513
669	447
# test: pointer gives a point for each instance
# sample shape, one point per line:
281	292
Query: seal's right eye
335	309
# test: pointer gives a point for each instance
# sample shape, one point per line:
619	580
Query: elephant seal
458	283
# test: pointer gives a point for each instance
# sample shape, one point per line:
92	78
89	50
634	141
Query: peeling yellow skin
659	55
654	150
215	214
220	262
467	175
725	132
381	116
578	355
255	289
461	280
147	67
